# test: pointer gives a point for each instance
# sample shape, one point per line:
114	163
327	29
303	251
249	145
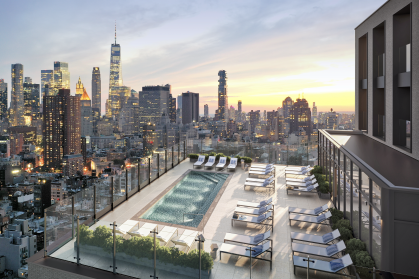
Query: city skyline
264	58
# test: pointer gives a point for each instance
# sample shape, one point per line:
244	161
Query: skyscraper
286	107
31	99
96	89
154	101
79	89
206	111
47	82
28	80
3	98
254	117
239	111
115	80
61	128
172	109
222	111
128	120
190	107
314	115
300	117
61	76
86	115
17	102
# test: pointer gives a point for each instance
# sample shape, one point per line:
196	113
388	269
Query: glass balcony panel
144	172
154	167
365	222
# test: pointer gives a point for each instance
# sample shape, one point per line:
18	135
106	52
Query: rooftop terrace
214	231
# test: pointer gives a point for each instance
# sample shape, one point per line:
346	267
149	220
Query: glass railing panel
175	155
182	151
144	172
83	205
117	187
169	158
365	222
61	232
162	167
154	167
96	245
103	194
134	178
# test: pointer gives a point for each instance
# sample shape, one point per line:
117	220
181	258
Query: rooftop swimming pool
189	200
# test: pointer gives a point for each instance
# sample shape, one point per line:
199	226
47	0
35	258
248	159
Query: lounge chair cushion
267	171
263	203
317	210
336	265
331	250
262	209
310	188
321	218
308	183
257	250
258	238
307	179
327	237
261	218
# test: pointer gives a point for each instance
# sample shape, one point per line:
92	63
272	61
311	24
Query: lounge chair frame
345	258
258	257
263	223
310	219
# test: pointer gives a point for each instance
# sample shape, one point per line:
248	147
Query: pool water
188	201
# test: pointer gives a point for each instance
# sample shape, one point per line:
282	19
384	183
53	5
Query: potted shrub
324	190
193	157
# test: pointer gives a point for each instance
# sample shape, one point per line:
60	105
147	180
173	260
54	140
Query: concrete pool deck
219	223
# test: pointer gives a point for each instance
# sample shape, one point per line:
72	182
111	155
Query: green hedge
142	247
316	169
355	247
193	156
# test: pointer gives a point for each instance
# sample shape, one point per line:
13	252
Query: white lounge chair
144	231
262	167
308	189
308	178
247	239
303	172
261	180
266	184
263	172
126	227
244	251
166	234
255	204
327	252
316	211
253	211
260	220
321	219
186	239
210	163
300	184
233	164
297	168
317	239
329	267
201	160
222	163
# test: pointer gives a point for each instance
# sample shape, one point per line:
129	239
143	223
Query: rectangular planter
324	196
192	160
98	251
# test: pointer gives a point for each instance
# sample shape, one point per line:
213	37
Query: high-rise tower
96	89
17	103
79	88
115	80
3	99
222	111
86	115
61	76
239	111
47	82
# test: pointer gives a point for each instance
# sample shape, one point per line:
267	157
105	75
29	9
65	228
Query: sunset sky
270	49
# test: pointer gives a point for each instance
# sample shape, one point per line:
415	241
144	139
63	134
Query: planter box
192	160
98	251
324	196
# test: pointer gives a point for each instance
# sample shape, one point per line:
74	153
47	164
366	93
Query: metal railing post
72	217
288	156
184	149
173	153
250	252
112	193
126	184
45	233
308	265
94	203
154	232
114	225
78	240
158	165
139	176
178	153
200	240
149	170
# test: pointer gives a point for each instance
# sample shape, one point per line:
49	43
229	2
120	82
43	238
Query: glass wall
376	224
